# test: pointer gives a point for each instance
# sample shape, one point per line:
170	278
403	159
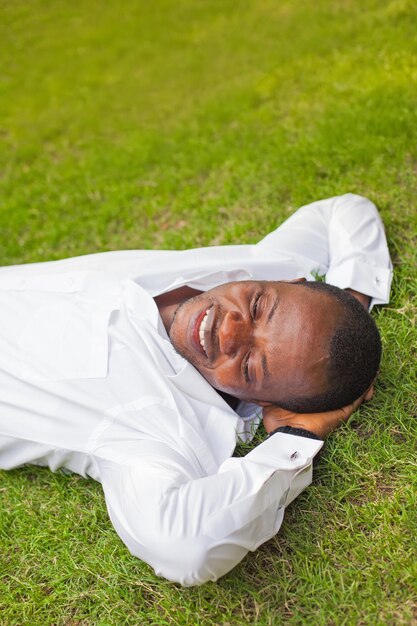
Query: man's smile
198	331
203	332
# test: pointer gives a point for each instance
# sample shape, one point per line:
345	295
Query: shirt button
377	280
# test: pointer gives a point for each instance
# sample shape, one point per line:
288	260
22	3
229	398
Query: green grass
174	124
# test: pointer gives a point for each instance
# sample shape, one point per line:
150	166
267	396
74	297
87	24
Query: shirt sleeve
342	237
193	528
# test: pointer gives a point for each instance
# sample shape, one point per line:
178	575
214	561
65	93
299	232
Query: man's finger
370	393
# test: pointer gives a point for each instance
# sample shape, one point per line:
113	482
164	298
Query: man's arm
361	297
341	237
192	528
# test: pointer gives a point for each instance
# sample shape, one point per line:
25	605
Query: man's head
303	346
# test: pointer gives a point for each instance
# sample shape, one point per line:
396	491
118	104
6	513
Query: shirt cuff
289	453
371	280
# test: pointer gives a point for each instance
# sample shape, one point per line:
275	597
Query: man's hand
321	424
361	297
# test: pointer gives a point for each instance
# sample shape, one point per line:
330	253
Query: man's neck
168	303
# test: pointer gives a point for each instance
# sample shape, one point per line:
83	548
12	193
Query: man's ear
302	279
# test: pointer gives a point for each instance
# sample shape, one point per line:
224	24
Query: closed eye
255	303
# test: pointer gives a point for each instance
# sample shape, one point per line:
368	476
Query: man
142	369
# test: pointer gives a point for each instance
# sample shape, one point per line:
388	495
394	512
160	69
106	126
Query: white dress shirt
89	381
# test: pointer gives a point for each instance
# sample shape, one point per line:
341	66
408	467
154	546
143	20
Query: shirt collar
141	309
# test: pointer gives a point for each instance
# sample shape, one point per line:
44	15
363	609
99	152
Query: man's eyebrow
265	369
267	373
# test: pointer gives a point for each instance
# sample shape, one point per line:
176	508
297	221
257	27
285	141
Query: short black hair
355	355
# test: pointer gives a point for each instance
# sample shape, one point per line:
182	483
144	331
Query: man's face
260	341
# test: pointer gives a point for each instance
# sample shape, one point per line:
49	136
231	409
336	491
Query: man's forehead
298	350
301	372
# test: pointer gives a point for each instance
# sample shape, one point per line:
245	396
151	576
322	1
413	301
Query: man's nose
233	333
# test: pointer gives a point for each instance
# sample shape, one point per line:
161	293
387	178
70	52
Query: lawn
174	124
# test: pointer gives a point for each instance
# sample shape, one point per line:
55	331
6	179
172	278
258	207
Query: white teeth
201	330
